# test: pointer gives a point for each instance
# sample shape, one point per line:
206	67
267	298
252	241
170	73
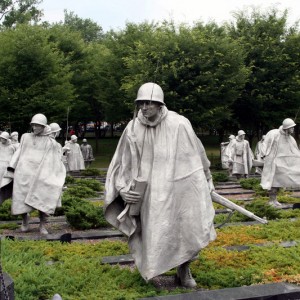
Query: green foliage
89	30
80	213
85	215
249	183
5	211
219	177
80	192
253	184
40	268
10	226
261	208
67	202
33	76
271	83
91	172
290	213
93	184
19	12
69	180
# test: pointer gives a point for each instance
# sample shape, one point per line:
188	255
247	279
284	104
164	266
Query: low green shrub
85	215
69	179
253	184
10	226
219	177
5	211
93	184
80	192
67	202
249	183
91	172
261	208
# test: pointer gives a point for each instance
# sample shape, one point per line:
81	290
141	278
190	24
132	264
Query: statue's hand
210	184
130	197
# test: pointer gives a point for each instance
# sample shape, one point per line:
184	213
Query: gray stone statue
38	174
226	149
281	161
87	153
258	154
6	152
15	139
74	155
160	167
65	153
241	156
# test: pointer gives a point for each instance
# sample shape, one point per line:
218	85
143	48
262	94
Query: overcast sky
113	14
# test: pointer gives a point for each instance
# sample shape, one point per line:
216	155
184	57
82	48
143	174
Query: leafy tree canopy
14	12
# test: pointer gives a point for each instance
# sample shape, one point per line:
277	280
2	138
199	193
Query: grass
40	268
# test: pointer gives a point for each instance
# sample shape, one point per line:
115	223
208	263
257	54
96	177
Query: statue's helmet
150	92
231	137
39	119
84	141
241	132
4	135
14	133
55	127
73	137
288	123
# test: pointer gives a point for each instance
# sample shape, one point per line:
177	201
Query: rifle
227	203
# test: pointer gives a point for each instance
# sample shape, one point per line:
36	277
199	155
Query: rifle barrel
229	204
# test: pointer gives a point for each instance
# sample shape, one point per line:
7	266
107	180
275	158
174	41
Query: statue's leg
25	223
43	219
184	276
273	197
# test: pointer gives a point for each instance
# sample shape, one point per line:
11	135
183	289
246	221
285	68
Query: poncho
6	153
242	157
74	157
87	152
176	217
39	175
282	161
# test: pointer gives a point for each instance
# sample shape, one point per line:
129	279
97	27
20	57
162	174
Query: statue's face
290	130
37	128
3	141
15	137
149	109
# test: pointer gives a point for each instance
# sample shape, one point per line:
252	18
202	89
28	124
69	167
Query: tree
14	12
200	69
33	77
272	90
89	30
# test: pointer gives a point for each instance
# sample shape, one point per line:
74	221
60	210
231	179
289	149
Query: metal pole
68	109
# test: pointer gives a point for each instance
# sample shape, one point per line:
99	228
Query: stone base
9	284
273	291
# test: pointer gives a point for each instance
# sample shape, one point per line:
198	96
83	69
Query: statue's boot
273	199
43	229
185	277
25	223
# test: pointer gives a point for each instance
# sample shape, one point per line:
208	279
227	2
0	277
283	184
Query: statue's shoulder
272	133
177	118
